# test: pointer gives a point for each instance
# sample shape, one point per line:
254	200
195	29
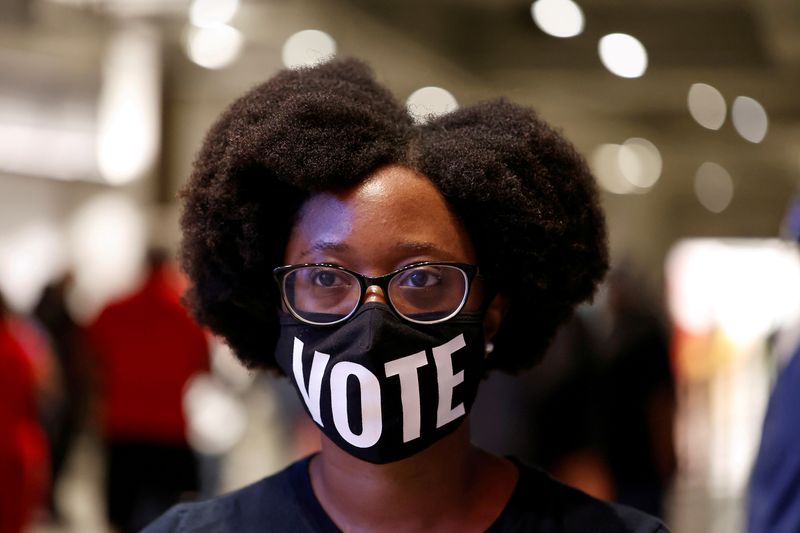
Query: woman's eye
326	278
421	277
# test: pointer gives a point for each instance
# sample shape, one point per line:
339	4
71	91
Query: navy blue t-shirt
286	503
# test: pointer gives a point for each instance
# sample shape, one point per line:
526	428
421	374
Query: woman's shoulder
541	503
274	501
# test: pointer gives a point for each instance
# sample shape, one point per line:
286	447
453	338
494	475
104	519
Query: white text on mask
405	368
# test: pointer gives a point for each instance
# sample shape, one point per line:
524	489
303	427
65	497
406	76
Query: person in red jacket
23	446
147	347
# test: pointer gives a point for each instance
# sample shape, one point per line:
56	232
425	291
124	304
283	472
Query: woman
384	267
23	444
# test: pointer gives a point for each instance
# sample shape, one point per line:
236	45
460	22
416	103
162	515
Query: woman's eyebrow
418	247
326	246
422	247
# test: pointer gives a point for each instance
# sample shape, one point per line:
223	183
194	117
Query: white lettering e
442	355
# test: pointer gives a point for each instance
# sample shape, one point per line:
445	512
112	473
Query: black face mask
383	389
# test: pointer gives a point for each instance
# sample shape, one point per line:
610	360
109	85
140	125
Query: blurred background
654	395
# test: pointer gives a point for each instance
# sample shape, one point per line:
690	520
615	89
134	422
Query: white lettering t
406	369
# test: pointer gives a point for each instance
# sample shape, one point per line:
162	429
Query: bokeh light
128	131
713	187
629	168
606	168
107	239
640	162
209	13
215	47
215	418
71	153
429	102
226	366
623	55
308	47
559	18
747	287
749	118
29	258
707	105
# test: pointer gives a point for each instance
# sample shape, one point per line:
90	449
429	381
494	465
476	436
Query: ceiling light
623	55
640	163
713	187
749	119
706	105
215	47
307	48
559	18
208	13
429	102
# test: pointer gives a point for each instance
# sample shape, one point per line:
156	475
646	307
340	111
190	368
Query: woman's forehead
393	213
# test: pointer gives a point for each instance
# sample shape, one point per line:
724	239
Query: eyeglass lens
427	293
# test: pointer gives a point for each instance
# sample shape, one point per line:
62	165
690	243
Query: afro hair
523	192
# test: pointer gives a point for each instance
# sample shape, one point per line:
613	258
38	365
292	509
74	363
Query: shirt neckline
304	491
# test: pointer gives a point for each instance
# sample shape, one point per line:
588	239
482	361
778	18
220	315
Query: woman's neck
450	485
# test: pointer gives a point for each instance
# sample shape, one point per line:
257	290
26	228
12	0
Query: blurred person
407	260
23	445
147	347
65	413
598	411
637	393
774	492
551	415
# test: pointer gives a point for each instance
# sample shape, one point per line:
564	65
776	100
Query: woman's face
391	219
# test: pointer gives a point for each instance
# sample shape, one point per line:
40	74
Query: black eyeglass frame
469	271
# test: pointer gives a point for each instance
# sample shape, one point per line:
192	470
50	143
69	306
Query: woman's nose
375	294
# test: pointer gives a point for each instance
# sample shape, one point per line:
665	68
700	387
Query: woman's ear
495	314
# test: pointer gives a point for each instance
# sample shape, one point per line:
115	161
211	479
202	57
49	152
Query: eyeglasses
425	293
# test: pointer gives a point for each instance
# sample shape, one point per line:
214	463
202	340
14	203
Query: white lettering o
370	389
